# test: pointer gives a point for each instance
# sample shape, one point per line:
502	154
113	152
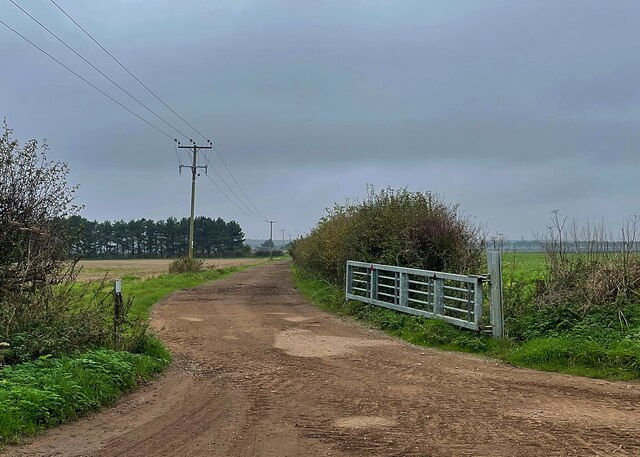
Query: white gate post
438	296
404	289
374	283
494	263
349	279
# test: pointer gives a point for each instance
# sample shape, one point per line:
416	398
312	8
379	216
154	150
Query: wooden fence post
494	263
118	311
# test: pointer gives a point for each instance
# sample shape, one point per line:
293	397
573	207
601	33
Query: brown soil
92	270
249	380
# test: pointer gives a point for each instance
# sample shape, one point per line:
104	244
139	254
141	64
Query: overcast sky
510	108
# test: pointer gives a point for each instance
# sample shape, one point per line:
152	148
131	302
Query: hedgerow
395	227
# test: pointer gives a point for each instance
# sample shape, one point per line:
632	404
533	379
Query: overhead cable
229	187
127	70
97	69
85	80
231	200
237	183
161	101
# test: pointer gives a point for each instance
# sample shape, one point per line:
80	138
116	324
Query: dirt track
258	371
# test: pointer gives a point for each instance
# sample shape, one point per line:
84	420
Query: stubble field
146	268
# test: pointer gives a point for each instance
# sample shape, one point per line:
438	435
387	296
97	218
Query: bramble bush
394	227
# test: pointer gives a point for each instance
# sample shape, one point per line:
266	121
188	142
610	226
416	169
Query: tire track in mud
260	372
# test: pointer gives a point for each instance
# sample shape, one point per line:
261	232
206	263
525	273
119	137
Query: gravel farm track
258	371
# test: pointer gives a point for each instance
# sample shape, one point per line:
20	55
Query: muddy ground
258	371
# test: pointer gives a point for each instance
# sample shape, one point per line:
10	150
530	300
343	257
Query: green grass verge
578	350
49	391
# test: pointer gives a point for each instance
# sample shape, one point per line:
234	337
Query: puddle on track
304	343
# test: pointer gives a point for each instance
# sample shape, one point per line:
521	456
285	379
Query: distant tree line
146	238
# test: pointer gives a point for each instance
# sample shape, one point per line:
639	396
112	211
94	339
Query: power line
255	209
230	199
97	69
237	183
85	80
231	190
127	70
248	211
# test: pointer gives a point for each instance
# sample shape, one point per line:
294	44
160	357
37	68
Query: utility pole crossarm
206	167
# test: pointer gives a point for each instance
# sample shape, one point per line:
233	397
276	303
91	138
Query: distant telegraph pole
194	148
282	230
271	237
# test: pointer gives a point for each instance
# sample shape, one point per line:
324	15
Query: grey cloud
511	108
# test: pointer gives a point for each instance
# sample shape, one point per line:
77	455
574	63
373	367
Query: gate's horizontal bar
459	289
386	295
460	300
459	310
422	292
414	311
414	271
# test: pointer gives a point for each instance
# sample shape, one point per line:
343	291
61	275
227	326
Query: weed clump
186	265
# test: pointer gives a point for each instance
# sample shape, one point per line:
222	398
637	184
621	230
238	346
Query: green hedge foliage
394	227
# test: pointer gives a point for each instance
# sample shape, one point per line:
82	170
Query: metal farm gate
453	298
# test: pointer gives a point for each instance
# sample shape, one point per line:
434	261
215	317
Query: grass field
147	281
146	268
529	263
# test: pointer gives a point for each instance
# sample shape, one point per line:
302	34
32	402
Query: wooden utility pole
194	148
271	237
